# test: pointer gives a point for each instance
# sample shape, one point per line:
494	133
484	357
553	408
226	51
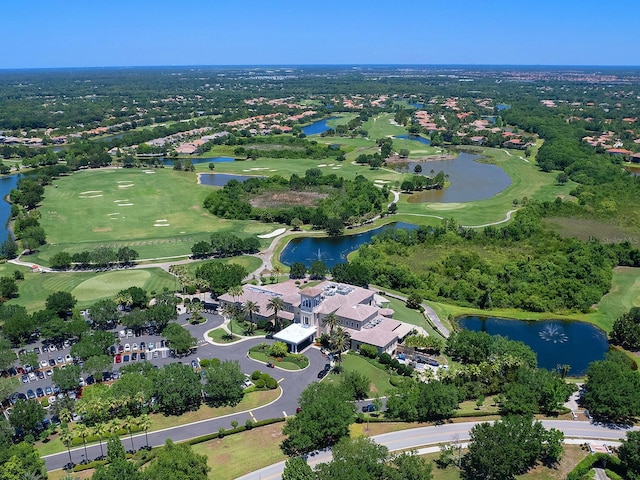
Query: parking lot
127	348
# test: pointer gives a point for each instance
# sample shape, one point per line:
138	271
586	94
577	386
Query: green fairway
158	214
88	287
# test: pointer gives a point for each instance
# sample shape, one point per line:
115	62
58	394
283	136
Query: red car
118	358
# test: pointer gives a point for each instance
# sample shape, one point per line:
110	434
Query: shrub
192	289
385	358
221	433
272	383
256	375
90	465
369	351
204	363
394	363
261	324
259	383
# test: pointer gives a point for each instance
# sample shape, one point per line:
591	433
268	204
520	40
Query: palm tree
277	270
229	311
341	341
67	439
145	422
332	321
235	291
129	423
66	415
82	431
100	430
276	304
114	426
249	308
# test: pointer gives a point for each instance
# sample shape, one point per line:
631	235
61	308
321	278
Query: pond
318	126
556	342
470	180
221	179
416	104
195	161
502	106
332	250
7	183
415	138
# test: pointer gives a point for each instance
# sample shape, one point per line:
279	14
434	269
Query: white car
32	376
68	358
127	348
122	334
44	364
52	399
134	346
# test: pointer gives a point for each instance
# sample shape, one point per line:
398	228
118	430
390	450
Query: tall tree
276	304
178	462
224	383
324	418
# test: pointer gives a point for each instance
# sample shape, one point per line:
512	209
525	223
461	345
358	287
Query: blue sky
88	33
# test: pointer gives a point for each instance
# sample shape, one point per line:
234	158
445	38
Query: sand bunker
322	165
335	168
125	205
162	220
126	186
275	233
149	171
112	214
121	201
381	181
90	196
90	191
161	225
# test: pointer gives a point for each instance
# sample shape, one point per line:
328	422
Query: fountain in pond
553	333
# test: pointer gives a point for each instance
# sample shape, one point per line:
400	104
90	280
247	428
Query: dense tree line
225	244
101	257
344	200
543	271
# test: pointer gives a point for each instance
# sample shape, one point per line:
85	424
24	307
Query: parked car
52	362
134	356
36	350
39	392
44	364
49	372
134	346
32	376
125	358
25	378
127	348
143	356
40	374
60	359
151	345
30	394
143	346
118	358
113	350
368	408
68	358
48	390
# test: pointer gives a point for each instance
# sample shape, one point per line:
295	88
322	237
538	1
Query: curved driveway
291	382
450	432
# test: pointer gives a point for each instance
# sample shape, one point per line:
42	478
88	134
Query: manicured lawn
159	214
288	362
250	401
242	453
88	287
354	362
220	335
250	263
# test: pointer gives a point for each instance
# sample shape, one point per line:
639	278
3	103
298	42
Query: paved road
291	382
418	437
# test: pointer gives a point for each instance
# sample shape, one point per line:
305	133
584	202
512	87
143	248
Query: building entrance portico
297	336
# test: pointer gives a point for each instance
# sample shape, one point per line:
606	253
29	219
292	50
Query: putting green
109	284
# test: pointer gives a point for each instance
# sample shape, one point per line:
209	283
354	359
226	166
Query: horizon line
307	65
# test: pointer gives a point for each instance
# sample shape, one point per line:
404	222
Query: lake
169	161
415	138
555	342
502	106
318	126
332	250
470	180
221	179
7	183
416	104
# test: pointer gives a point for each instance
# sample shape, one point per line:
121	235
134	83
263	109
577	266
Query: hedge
90	465
231	431
586	464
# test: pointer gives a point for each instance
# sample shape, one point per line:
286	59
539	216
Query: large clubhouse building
363	314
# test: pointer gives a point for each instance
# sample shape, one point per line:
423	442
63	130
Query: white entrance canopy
295	335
